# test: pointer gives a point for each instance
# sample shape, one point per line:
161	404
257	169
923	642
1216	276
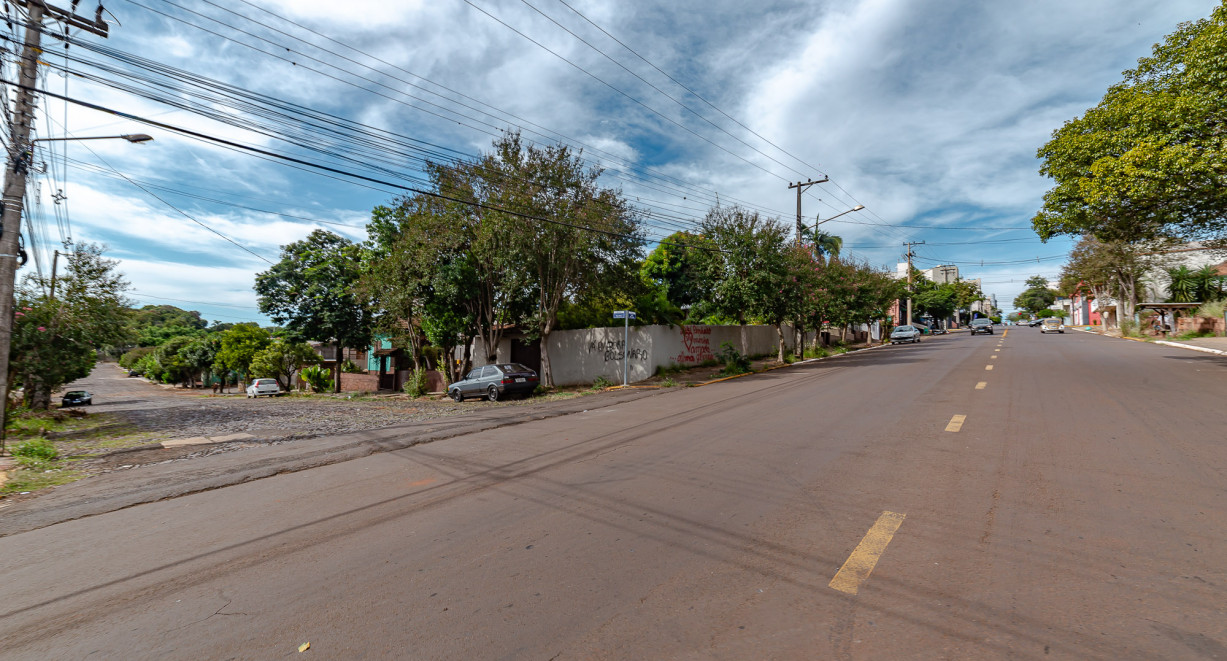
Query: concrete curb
1190	346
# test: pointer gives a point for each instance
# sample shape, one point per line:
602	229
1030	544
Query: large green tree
1148	161
239	347
281	359
313	291
1037	296
54	341
741	273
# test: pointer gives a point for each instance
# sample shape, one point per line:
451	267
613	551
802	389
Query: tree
1037	296
1148	161
675	265
281	359
592	242
54	341
1108	268
825	244
313	292
741	275
239	347
200	354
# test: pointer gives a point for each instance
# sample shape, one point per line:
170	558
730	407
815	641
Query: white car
263	387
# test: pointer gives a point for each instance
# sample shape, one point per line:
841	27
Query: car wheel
492	393
456	396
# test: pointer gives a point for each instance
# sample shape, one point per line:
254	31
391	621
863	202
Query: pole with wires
17	167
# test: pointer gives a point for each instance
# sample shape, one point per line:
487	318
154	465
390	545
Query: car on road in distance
1052	325
495	382
905	334
260	387
981	325
77	398
1035	322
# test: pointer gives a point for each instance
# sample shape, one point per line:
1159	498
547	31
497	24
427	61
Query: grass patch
33	479
24	422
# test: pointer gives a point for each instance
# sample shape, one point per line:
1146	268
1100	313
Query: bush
38	448
417	385
734	362
668	382
1213	309
349	367
601	383
317	377
130	358
1129	328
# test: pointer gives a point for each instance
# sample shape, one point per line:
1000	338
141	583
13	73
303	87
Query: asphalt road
835	510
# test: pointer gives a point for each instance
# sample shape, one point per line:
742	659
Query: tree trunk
779	330
745	340
337	376
547	373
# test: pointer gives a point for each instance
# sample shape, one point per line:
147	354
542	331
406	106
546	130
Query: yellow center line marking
988	367
982	385
1004	333
865	556
956	423
992	358
996	349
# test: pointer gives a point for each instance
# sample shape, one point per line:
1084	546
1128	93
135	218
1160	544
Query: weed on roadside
668	383
734	362
601	383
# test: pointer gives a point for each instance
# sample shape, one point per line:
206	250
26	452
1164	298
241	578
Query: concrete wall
580	356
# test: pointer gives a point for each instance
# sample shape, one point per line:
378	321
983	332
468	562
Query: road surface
1026	497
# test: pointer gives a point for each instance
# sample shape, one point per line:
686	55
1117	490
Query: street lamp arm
823	220
132	137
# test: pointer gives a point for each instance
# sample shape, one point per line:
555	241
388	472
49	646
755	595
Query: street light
14	198
134	138
855	208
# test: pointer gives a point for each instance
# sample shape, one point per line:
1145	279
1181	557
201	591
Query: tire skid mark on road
864	557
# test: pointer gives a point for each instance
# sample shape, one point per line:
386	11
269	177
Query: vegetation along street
545	330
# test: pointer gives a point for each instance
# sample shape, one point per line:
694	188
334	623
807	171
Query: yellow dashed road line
865	556
988	367
956	423
982	385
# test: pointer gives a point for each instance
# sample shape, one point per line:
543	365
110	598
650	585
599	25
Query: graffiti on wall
614	349
696	345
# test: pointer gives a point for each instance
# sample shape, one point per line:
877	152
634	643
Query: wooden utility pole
911	254
19	160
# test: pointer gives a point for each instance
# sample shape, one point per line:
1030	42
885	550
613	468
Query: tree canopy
1148	161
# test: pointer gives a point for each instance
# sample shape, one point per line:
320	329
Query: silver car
495	382
905	334
266	387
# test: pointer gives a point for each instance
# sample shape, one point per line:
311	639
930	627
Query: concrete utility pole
19	160
910	254
801	187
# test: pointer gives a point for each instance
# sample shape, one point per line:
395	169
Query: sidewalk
1214	345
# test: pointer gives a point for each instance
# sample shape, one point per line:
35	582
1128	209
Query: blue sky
928	113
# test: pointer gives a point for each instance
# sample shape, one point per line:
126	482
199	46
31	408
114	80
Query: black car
495	382
981	325
76	398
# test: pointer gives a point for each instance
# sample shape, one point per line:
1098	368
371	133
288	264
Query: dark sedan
495	382
981	325
76	398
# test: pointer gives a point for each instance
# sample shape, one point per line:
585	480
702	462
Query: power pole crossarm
801	187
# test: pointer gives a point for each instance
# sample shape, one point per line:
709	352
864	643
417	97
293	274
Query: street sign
623	314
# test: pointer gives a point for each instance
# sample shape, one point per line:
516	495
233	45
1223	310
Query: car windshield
513	367
903	329
75	393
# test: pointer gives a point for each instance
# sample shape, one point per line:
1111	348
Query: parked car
77	398
1052	325
904	334
981	325
495	382
263	387
1035	322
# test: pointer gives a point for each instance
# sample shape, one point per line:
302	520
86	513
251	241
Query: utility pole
801	186
55	260
910	254
18	163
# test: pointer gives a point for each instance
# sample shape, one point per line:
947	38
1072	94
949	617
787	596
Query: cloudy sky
928	113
